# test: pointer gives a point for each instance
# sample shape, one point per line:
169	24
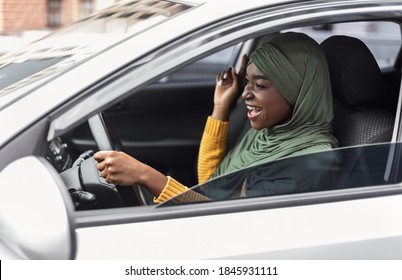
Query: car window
162	126
382	38
342	168
76	42
203	70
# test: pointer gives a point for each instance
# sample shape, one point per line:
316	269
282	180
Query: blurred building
17	16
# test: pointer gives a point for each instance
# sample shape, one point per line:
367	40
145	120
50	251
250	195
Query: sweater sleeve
212	148
171	189
174	188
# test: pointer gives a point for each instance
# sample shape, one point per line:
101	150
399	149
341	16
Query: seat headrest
355	75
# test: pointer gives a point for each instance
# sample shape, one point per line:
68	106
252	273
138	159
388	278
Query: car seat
358	87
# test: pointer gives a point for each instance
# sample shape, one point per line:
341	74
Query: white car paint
263	233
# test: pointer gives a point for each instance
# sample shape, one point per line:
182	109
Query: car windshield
344	168
78	41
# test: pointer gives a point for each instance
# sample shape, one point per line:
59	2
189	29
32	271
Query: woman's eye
259	86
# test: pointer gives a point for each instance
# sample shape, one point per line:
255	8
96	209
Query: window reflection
345	168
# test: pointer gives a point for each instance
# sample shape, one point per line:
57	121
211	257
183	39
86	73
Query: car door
320	221
319	231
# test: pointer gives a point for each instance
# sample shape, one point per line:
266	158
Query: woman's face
266	106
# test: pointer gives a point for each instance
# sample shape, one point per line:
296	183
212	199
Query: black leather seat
359	118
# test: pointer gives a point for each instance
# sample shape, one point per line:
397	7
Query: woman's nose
247	94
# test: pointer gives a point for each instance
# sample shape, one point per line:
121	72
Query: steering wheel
104	134
107	139
88	189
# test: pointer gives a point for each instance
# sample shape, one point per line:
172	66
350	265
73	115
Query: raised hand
226	90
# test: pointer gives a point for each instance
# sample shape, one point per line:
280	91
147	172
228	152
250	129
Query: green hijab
297	67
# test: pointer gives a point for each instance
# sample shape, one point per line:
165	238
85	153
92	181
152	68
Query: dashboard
58	155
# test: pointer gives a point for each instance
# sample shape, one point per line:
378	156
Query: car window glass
203	70
382	38
78	41
336	169
14	72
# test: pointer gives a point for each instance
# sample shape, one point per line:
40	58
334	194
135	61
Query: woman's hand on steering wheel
122	169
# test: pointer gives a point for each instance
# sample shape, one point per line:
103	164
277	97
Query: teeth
253	108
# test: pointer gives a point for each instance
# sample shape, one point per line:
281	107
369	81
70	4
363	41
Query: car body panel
27	226
265	233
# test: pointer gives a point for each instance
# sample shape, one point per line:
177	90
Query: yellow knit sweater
212	151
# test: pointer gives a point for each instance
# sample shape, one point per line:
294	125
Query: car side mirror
36	211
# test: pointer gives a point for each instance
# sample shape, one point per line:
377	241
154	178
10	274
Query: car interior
162	124
359	91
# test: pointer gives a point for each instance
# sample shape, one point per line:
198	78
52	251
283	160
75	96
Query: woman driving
289	102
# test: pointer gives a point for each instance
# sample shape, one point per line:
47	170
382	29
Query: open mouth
253	111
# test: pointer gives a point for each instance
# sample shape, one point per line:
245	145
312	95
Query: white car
139	76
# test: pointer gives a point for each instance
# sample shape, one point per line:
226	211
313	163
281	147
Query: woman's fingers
230	74
100	165
221	77
226	77
104	173
243	66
